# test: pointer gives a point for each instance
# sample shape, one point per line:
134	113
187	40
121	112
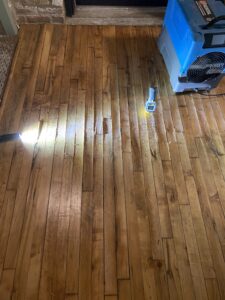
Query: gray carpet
7	48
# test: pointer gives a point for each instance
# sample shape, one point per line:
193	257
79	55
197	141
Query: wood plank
62	46
161	133
219	116
137	288
193	153
124	292
200	231
178	174
71	297
206	167
215	247
89	125
69	48
34	38
20	203
83	59
86	247
212	289
111	298
193	115
109	213
49	75
6	284
72	280
193	253
98	193
172	272
42	208
108	34
6	155
23	260
147	263
98	223
24	251
62	230
58	44
216	139
35	68
121	226
48	262
178	234
215	203
217	173
184	155
75	67
44	58
5	223
64	213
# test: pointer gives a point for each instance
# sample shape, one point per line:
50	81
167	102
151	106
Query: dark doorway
123	2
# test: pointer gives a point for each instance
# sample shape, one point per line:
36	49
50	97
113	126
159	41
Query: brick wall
38	11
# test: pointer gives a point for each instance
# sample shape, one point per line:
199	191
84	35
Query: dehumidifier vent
206	67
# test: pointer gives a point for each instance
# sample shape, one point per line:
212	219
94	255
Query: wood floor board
85	285
6	286
63	227
48	260
124	292
89	124
214	244
193	253
67	65
98	183
21	199
98	223
200	230
178	234
72	280
6	219
212	289
41	211
109	213
100	199
173	277
148	269
121	218
12	105
44	58
35	69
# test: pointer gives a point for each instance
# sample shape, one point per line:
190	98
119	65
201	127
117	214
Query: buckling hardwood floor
109	202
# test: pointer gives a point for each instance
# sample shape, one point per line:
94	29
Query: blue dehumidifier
192	43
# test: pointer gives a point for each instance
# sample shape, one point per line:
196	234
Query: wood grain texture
105	201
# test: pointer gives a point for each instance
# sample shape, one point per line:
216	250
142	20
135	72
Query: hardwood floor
101	200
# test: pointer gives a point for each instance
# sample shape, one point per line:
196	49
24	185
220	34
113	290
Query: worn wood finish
108	202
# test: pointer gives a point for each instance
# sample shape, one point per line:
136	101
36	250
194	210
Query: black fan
206	67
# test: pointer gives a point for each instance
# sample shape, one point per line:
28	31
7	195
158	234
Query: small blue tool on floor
150	104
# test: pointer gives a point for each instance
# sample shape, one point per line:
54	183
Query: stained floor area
101	200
